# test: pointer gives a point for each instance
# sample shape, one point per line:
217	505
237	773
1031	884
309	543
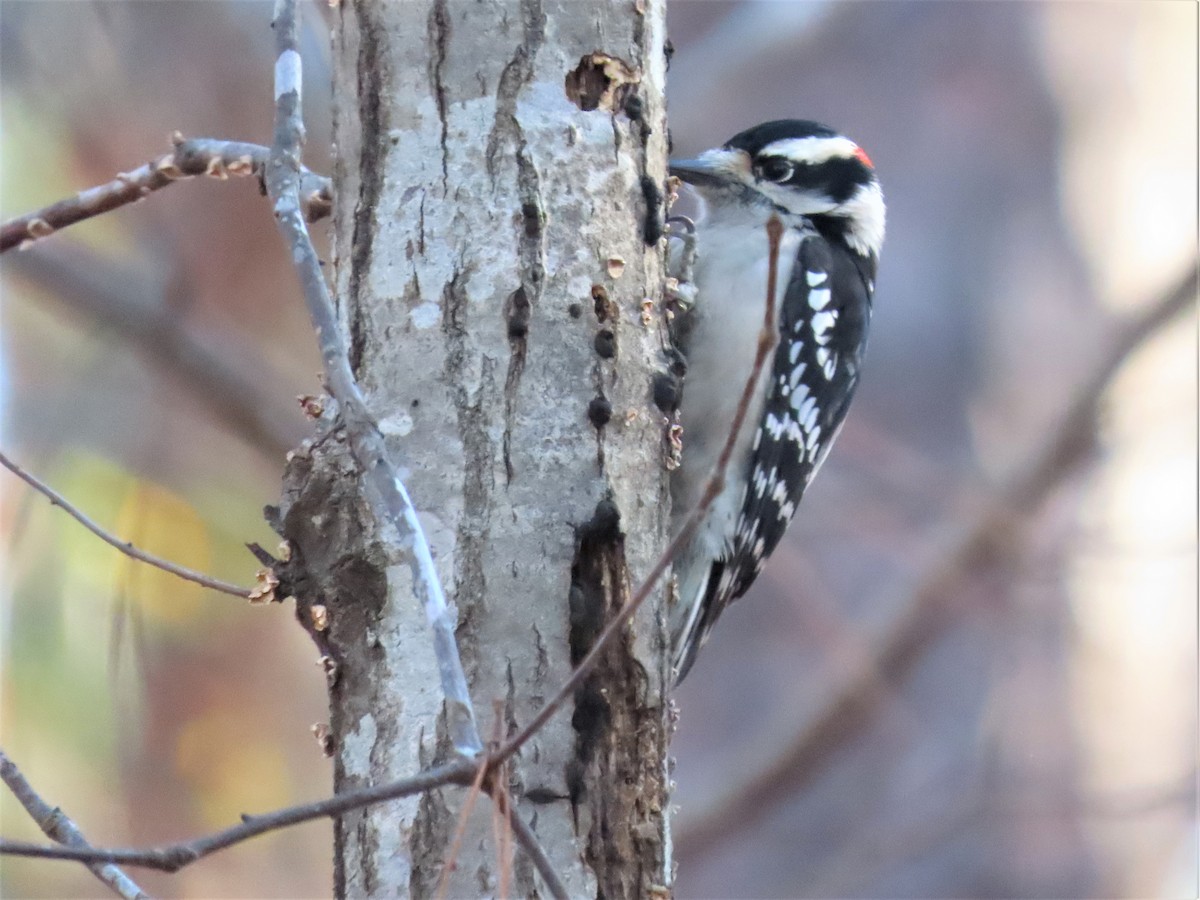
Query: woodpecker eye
775	168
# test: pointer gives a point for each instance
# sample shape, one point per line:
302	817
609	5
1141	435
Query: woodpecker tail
696	579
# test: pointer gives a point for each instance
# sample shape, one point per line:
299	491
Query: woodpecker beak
712	167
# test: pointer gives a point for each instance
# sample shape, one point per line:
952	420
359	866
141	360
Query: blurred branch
173	857
57	499
233	386
886	846
55	824
385	491
199	156
767	339
930	609
1074	437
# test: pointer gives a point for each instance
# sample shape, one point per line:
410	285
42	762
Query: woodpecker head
796	167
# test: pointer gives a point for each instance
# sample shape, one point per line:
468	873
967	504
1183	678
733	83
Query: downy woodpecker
824	190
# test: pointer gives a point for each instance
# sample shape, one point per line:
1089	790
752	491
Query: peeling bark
480	214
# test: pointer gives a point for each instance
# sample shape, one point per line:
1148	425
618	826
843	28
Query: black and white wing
822	335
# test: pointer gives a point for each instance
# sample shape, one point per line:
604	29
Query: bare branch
57	499
529	842
199	156
55	824
385	492
767	340
931	610
173	857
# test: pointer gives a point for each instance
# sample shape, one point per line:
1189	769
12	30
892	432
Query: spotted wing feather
814	372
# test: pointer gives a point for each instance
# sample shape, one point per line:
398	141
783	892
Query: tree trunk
497	183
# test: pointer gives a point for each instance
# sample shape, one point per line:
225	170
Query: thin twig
173	857
498	790
502	862
460	831
198	156
385	492
767	339
530	844
930	610
501	828
57	499
55	824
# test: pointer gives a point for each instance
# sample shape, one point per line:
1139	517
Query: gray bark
482	209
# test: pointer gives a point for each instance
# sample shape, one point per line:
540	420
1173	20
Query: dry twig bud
324	739
313	406
265	583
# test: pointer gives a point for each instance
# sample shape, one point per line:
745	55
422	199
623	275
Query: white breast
731	275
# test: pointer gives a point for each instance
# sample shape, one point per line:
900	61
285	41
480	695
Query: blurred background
970	671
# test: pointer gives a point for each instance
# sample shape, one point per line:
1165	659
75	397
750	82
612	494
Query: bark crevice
612	803
373	129
507	132
439	41
478	454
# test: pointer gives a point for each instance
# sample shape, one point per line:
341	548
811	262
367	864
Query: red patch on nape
861	155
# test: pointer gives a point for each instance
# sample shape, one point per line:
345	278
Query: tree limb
55	824
173	857
930	610
198	156
57	499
